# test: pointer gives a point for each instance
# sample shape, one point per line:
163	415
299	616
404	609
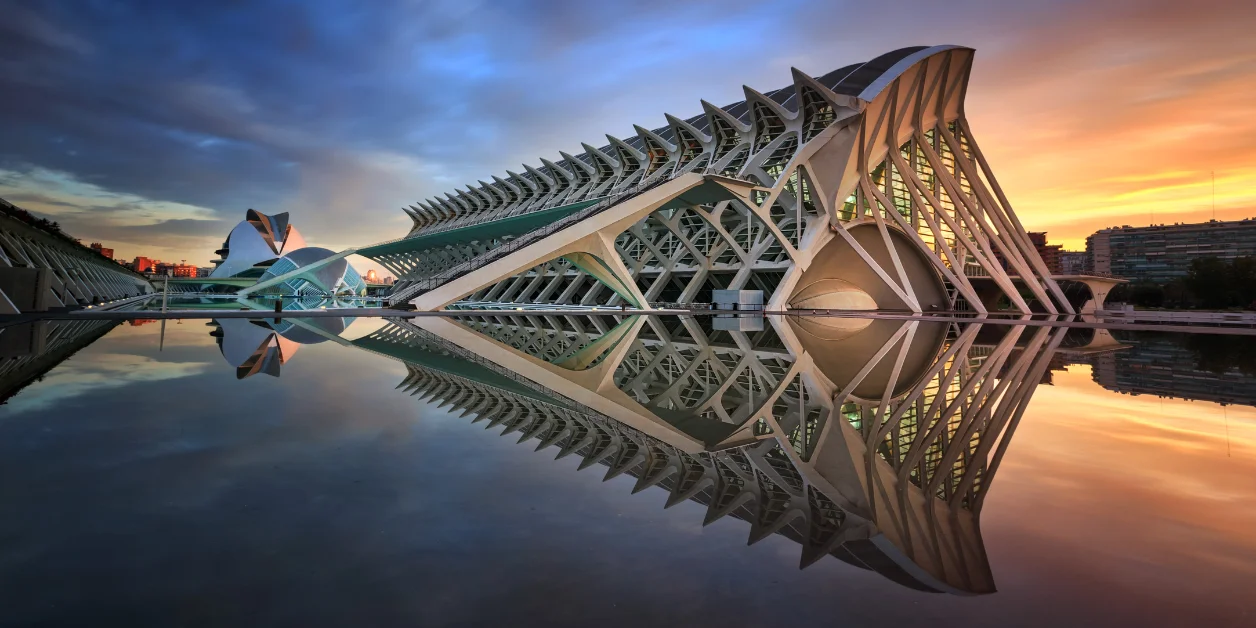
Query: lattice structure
41	271
869	175
758	425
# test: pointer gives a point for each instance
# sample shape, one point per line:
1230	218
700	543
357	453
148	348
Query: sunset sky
152	126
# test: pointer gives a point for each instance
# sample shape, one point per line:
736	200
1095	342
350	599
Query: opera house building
264	248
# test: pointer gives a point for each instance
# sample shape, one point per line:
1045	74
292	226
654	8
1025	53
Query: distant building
1074	263
142	265
161	269
96	246
204	271
1162	253
388	281
1050	253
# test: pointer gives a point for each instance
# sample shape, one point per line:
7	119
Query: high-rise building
1074	263
96	246
1050	253
1162	253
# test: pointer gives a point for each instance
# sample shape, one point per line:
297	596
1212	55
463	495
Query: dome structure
334	277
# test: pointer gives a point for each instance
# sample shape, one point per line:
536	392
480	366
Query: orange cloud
1120	115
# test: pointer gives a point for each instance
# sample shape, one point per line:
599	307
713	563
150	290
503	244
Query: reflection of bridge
1084	293
874	442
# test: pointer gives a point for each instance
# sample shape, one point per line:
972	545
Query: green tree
1209	280
1147	295
1243	281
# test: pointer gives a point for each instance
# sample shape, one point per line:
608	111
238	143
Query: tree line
1211	283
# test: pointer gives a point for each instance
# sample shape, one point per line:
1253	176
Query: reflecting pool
534	468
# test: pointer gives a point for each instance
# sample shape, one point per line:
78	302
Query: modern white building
864	187
266	255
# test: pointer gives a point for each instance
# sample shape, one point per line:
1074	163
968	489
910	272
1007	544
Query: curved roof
326	276
308	255
862	81
245	248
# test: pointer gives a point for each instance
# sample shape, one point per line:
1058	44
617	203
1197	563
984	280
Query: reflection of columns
591	388
881	455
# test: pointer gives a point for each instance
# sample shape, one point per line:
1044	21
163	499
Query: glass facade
1162	253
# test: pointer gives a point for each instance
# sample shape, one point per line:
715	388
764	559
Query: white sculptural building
862	188
262	247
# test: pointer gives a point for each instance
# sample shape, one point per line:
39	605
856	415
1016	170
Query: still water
576	470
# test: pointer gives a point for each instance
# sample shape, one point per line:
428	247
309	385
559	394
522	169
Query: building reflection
874	442
31	349
1200	367
255	346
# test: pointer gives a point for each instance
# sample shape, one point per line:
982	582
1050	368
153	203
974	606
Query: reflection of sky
326	497
1145	495
88	374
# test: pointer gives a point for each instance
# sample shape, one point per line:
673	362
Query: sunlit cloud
1093	114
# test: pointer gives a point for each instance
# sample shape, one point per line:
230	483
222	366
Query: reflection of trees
1213	353
1217	353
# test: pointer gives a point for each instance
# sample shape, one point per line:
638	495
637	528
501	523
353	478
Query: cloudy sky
152	125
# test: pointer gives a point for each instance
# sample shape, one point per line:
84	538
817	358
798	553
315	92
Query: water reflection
263	304
1196	367
29	350
874	442
262	346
